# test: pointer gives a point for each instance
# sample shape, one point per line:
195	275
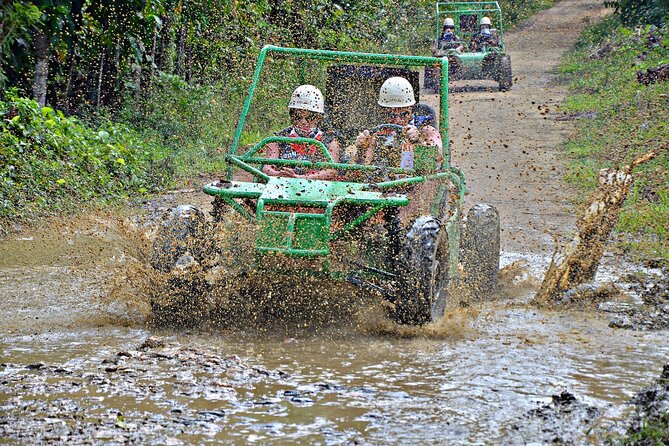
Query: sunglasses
301	115
449	27
404	114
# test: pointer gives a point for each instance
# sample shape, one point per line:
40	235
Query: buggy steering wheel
380	142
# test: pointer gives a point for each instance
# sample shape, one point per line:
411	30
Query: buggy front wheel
423	275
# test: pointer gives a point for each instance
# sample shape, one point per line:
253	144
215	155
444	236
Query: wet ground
76	353
78	363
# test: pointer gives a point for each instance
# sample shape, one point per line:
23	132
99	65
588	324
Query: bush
48	161
619	119
636	12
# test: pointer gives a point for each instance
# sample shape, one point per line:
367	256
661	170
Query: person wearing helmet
448	39
485	36
396	98
306	109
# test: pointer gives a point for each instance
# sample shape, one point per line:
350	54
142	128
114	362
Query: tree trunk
102	68
153	53
180	52
41	45
189	63
76	13
182	41
70	72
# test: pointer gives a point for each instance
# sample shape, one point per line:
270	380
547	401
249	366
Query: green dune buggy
394	232
471	58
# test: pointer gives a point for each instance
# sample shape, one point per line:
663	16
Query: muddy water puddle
244	387
73	359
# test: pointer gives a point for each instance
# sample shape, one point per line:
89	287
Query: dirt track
510	144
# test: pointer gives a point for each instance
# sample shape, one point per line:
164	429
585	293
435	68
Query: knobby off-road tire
504	74
480	250
184	236
183	241
423	271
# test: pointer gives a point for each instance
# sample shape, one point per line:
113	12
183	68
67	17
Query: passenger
448	39
397	100
306	109
484	37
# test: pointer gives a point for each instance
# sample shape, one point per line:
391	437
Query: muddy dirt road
75	351
509	144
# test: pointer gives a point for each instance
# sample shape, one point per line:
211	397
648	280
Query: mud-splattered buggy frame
291	231
488	62
351	229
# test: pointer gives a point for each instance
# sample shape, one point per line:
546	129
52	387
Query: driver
448	38
396	98
306	109
484	37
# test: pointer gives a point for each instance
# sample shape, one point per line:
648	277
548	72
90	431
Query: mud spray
103	261
226	294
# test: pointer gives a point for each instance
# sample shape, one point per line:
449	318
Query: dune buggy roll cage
460	10
343	57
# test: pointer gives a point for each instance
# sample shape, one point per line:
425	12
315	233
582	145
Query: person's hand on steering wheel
365	139
411	133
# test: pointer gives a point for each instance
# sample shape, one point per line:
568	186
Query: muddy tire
480	250
183	243
504	74
184	237
422	274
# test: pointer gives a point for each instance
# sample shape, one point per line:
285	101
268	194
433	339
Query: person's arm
411	133
429	136
272	151
365	141
326	174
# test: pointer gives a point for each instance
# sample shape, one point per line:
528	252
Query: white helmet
396	92
449	22
486	21
307	97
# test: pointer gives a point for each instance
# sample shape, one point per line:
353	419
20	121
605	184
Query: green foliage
653	431
191	120
619	119
516	11
176	73
48	161
635	12
197	119
16	20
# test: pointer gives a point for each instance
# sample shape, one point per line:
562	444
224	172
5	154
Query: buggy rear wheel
504	74
423	275
480	250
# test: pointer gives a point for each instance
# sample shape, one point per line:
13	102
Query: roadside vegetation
51	163
622	111
162	82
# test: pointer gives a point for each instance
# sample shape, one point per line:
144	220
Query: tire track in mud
509	145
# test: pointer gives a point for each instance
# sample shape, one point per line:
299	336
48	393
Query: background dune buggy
487	62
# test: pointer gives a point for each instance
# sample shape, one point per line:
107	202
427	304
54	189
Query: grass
50	163
619	119
651	432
